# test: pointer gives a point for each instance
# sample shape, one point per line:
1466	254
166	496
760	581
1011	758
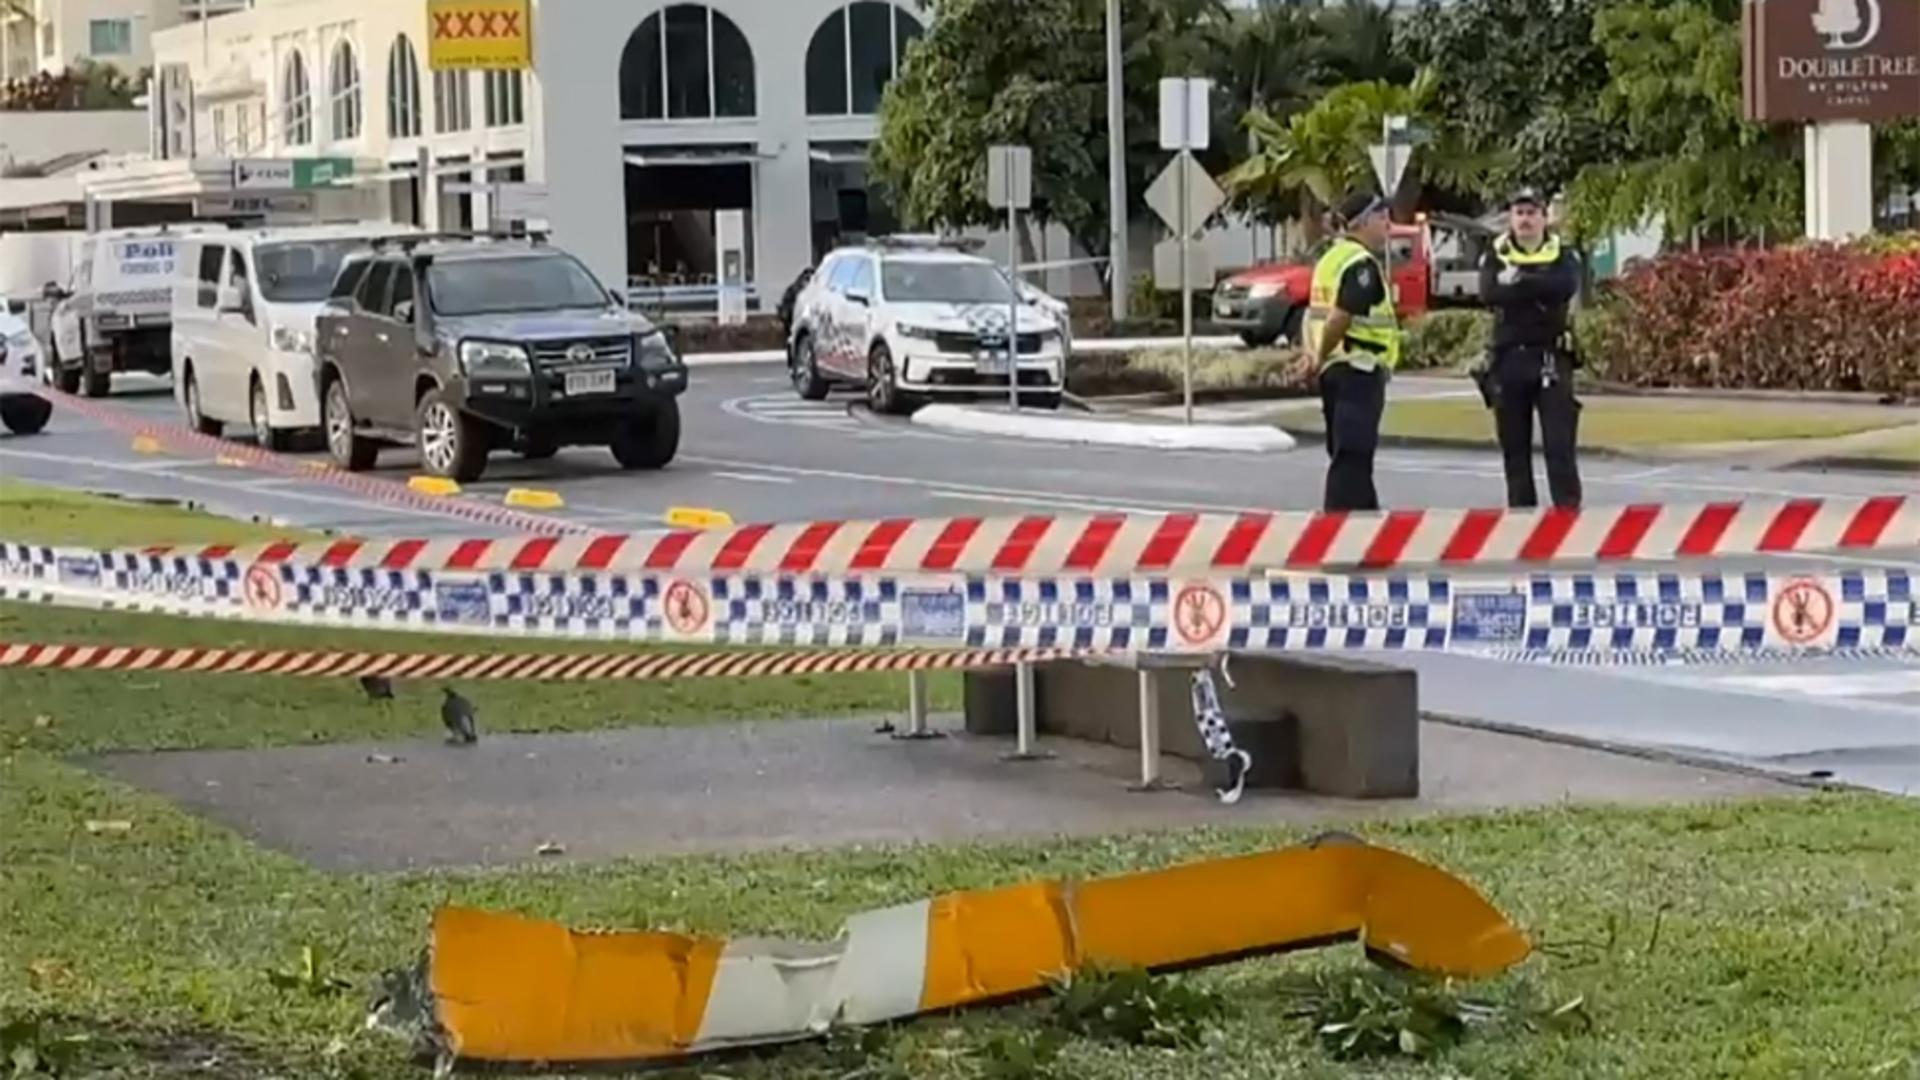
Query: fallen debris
504	988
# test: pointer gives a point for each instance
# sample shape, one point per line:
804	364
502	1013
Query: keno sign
495	35
1824	60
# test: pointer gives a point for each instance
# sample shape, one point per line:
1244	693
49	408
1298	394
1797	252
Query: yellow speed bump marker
534	499
433	485
146	444
697	517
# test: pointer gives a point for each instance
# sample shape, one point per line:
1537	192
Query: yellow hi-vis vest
1507	252
1379	326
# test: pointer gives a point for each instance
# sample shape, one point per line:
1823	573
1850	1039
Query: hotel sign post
1837	66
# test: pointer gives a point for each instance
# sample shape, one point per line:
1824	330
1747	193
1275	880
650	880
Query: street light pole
1116	164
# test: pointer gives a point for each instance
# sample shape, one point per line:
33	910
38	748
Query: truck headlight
652	352
496	359
288	339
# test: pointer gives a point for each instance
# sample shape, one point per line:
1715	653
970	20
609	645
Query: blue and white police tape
1650	614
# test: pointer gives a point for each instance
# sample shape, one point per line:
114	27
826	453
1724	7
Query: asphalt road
756	451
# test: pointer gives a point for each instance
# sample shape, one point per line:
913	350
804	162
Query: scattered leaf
43	722
116	826
551	847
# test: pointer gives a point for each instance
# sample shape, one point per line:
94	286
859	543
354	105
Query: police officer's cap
1360	204
1528	196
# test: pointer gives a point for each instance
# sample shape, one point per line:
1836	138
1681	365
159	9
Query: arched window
686	62
296	102
403	90
343	90
854	55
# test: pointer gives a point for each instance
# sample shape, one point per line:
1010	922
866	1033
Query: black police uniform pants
1352	401
1522	393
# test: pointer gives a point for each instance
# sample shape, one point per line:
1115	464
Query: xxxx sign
490	34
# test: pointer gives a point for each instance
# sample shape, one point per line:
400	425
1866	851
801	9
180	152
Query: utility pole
1116	164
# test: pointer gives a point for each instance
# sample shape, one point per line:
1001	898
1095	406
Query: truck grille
965	344
615	352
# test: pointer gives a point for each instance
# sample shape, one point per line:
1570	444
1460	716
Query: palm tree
1300	166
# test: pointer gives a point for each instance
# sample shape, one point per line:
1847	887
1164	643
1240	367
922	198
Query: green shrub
1446	340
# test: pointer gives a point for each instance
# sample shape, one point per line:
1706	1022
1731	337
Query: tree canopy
1034	73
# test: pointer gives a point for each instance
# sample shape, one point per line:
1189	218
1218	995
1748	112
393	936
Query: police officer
1353	341
1528	278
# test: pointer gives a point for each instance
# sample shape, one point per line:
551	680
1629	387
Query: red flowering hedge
1818	317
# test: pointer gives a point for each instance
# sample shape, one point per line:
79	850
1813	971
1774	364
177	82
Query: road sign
320	172
251	205
1009	177
1185	115
1166	267
1389	166
256	175
1203	196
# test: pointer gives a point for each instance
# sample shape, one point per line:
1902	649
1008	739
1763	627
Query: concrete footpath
809	784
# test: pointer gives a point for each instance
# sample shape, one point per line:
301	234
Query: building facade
50	35
642	121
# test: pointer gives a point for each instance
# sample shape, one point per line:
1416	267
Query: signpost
1398	137
1185	126
1838	66
1010	187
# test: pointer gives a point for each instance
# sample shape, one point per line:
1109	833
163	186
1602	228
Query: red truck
1268	302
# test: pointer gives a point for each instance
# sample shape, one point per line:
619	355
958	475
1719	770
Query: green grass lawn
1763	939
1624	423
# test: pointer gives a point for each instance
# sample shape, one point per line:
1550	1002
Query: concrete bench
1322	724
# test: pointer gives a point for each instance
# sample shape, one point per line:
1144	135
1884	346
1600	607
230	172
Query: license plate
1223	308
589	382
990	363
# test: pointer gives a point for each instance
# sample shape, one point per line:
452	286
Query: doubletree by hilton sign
1816	60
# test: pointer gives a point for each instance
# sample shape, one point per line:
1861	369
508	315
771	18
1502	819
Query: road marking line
1100	508
753	478
932	485
1858	684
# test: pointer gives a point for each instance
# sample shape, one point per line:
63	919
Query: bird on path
457	713
378	687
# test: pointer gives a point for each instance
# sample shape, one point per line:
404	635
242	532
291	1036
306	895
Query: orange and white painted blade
508	988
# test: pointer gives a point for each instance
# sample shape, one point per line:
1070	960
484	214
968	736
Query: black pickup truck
466	346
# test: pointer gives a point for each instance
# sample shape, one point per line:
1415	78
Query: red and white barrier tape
254	457
558	667
1119	544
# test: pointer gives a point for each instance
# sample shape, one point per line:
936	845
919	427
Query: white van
113	313
243	311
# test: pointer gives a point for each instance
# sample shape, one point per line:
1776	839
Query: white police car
912	319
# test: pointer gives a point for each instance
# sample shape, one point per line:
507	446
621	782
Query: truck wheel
190	401
98	383
650	443
350	450
277	440
451	442
25	414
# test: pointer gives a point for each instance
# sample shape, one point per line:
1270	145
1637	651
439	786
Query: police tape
1729	614
1121	544
243	456
497	667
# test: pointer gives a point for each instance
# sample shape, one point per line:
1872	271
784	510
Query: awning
670	156
838	153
